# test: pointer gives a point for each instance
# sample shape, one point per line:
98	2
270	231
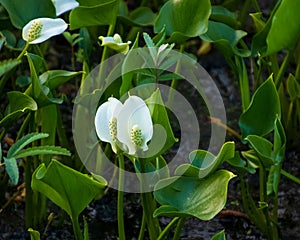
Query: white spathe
134	125
62	6
40	29
106	121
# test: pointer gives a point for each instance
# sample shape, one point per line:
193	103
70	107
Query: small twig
218	122
14	196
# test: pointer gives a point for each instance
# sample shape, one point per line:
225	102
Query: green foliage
264	108
162	132
104	12
20	17
17	151
183	19
7	65
275	35
19	104
142	16
67	188
12	170
219	236
34	235
226	38
204	163
191	196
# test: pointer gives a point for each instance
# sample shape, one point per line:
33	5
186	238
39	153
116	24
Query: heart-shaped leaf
190	196
183	19
67	188
204	163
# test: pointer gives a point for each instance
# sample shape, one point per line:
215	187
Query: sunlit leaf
183	19
67	188
219	236
34	235
190	196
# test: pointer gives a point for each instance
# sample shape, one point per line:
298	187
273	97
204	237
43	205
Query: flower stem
167	229
23	51
290	176
178	228
121	197
143	226
149	206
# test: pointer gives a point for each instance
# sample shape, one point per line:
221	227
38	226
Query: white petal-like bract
40	29
62	6
134	118
105	116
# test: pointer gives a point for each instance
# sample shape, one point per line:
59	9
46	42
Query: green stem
262	181
290	176
274	64
28	199
23	127
23	51
282	69
121	197
167	229
178	228
245	11
76	229
149	206
174	82
143	226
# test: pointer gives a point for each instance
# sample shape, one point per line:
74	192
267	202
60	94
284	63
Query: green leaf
264	108
273	179
7	65
219	236
70	190
141	16
12	170
201	198
55	78
279	142
281	30
223	15
21	143
104	12
19	104
38	91
293	87
226	38
263	148
204	162
34	9
283	36
183	19
34	235
39	150
163	137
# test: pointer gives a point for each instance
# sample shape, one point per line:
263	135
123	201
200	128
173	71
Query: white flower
115	43
40	29
62	6
106	121
135	127
127	125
